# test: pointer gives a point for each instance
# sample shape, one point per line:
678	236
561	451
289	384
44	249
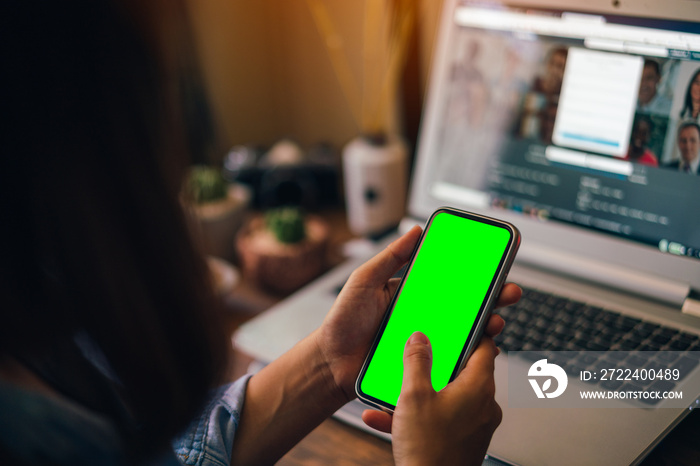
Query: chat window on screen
596	108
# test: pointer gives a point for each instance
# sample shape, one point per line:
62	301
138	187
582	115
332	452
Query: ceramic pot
375	172
219	221
282	268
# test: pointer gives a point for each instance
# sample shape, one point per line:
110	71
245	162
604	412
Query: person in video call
472	93
689	148
548	116
112	348
541	101
691	102
638	151
650	100
550	82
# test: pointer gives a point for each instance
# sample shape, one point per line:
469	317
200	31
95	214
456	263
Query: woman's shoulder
38	428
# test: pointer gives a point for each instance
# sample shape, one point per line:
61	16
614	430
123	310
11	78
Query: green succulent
206	184
287	224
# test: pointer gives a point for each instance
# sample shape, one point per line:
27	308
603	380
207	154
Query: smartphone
447	292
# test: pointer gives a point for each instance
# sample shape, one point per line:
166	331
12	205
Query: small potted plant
219	208
283	249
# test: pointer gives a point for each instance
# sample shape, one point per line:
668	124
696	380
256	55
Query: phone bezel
482	315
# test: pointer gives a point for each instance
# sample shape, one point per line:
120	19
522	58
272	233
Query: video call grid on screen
583	119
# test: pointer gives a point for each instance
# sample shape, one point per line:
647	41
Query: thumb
417	362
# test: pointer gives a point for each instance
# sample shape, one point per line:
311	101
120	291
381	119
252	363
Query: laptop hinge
609	275
691	305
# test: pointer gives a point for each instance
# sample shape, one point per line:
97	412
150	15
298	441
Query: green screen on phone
441	296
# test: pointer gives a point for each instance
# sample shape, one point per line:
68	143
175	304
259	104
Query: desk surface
336	443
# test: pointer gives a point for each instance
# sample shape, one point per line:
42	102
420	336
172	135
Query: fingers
417	362
494	326
480	365
510	294
379	269
482	360
378	420
392	285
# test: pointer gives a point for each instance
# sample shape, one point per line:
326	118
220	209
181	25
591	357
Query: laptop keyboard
542	323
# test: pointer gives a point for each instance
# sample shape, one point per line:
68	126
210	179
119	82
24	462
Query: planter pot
219	221
282	268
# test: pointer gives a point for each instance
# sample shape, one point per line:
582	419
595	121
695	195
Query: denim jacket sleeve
209	438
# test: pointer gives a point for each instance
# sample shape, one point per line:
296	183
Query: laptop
571	121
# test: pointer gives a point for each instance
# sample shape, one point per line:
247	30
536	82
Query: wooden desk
339	444
336	443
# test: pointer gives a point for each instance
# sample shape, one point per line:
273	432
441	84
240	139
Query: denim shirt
209	438
38	429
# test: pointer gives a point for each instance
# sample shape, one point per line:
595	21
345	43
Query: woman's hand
293	394
453	426
350	327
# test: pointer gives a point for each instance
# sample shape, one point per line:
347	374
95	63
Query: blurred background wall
269	74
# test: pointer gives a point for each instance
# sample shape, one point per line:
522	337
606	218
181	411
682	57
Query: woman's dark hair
688	102
94	240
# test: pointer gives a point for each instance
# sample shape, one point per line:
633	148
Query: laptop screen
583	119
